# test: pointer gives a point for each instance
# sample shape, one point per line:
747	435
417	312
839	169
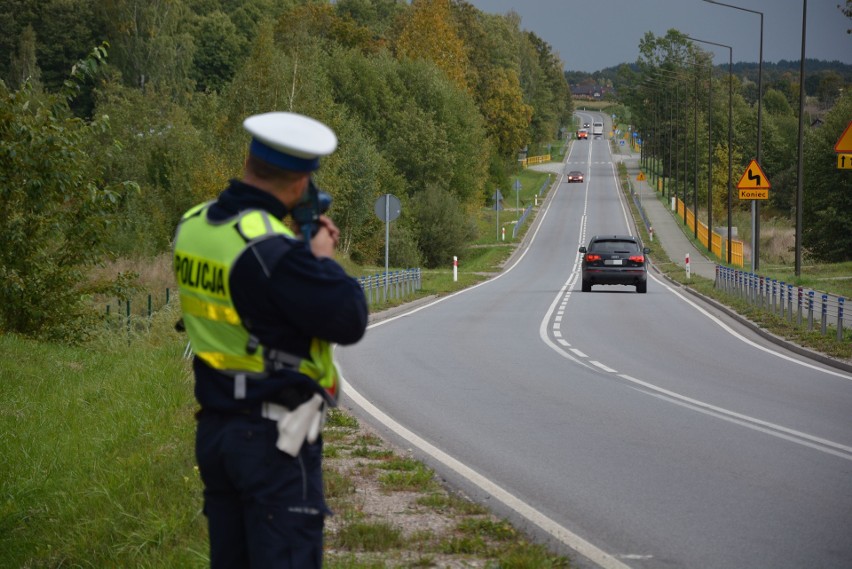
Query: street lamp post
685	146
755	204
695	147
658	82
801	173
730	137
695	169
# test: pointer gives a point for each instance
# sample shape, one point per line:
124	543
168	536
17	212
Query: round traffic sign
387	207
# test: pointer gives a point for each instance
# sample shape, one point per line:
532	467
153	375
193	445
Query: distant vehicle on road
575	176
586	125
582	134
614	260
597	129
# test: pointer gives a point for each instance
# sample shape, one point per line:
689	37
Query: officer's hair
269	172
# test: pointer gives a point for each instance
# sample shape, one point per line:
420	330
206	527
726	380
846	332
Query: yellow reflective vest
204	254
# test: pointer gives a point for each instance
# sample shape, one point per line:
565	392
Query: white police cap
289	140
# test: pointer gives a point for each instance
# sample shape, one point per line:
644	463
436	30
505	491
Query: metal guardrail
527	211
521	220
801	305
392	285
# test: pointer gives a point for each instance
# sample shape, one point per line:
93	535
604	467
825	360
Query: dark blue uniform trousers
264	508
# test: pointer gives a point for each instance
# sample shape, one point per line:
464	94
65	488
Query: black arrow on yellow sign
753	178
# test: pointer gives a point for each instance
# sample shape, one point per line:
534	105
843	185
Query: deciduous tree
54	208
507	116
827	208
430	33
150	42
220	49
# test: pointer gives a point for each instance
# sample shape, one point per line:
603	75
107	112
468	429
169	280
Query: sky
590	35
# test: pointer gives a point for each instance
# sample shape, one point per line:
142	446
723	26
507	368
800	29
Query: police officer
261	305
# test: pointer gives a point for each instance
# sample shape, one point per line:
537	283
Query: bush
443	227
54	208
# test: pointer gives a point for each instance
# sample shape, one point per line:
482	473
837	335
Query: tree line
824	80
678	95
431	101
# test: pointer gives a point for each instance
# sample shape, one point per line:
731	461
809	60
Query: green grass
835	278
369	536
409	476
96	466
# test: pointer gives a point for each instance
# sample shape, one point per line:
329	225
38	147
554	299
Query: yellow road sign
754	194
753	178
844	143
640	177
844	161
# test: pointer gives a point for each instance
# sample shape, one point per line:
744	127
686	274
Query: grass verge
97	470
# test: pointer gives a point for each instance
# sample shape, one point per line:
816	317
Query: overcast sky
590	35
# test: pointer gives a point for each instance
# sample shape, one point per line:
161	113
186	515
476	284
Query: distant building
591	92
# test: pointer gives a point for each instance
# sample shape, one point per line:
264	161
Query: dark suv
614	260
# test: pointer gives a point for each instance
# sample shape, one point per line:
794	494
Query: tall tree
489	39
66	30
429	33
165	154
507	116
670	51
220	49
551	97
827	208
150	42
780	132
458	125
54	208
377	15
24	66
323	22
847	11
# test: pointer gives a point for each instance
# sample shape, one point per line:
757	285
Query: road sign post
517	198
498	205
387	208
753	185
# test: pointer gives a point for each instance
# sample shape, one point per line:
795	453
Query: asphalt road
640	430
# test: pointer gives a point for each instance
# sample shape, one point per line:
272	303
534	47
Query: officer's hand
326	238
333	230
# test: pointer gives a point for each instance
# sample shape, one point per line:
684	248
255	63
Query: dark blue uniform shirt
285	296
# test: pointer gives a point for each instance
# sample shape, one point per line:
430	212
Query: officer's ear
295	190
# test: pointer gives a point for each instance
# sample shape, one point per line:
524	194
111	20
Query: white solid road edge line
563	535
